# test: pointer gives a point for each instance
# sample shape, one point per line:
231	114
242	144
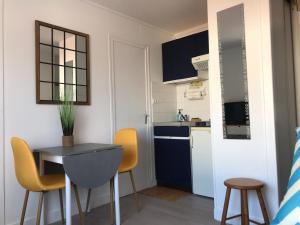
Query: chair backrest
25	167
127	137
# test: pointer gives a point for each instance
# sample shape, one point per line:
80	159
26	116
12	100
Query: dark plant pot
68	141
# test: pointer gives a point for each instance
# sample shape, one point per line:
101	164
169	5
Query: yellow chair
28	176
127	138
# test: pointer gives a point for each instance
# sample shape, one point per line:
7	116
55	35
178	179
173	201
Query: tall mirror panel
233	72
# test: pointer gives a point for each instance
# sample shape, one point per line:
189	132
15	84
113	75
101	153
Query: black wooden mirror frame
74	86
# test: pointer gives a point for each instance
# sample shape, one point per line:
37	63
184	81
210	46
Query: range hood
200	64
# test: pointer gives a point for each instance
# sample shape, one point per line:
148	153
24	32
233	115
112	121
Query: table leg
42	172
68	201
117	199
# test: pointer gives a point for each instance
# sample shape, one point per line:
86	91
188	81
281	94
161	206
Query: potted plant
67	118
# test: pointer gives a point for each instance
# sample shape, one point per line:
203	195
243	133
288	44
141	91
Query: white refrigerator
202	167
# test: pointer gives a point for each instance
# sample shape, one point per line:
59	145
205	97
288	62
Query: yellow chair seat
52	182
125	167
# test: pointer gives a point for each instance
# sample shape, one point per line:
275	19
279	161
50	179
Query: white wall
168	98
255	158
1	119
39	124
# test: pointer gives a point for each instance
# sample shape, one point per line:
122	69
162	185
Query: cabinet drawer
173	131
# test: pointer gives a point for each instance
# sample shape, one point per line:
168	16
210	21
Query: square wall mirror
62	65
233	72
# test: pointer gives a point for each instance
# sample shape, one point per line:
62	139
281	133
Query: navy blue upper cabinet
177	56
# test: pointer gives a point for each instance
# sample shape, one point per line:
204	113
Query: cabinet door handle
192	141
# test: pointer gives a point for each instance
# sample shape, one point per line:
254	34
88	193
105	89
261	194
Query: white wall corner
190	31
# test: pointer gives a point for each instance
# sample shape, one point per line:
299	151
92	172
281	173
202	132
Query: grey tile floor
189	210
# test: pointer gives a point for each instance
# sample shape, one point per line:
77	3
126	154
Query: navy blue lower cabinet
173	163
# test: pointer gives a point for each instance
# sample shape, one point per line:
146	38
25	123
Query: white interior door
130	96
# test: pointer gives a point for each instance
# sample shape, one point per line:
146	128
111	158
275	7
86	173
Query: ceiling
170	15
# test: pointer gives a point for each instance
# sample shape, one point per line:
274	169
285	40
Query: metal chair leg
134	189
88	200
61	206
112	208
24	207
39	210
81	216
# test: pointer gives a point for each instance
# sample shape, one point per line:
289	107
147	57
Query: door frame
112	40
2	149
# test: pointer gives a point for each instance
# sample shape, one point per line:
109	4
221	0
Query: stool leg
263	206
226	204
244	207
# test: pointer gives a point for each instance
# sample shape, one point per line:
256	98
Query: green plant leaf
67	115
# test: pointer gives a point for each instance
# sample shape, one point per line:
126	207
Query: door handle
146	118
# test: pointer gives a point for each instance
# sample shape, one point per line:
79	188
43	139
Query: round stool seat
244	184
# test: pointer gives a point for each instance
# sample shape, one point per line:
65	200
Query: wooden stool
244	185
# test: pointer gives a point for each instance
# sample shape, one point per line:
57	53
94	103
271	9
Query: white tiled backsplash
193	108
164	100
167	99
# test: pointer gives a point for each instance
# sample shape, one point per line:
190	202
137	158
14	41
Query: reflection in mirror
70	41
45	35
58	38
71	91
70	58
46	91
58	91
70	75
81	43
81	76
233	71
58	56
81	93
81	60
45	54
46	72
58	74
